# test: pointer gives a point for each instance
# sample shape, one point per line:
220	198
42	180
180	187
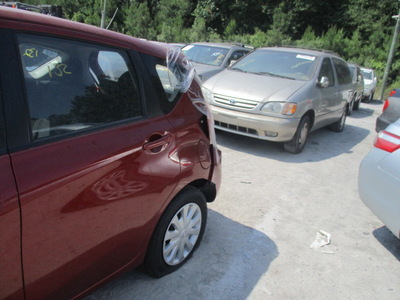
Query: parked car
379	178
358	83
390	111
281	94
108	157
370	83
211	58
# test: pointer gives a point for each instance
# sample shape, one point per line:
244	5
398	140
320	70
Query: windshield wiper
237	69
274	75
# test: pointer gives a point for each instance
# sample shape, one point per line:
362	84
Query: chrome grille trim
235	102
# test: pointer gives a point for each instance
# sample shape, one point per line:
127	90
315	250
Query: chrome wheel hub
182	234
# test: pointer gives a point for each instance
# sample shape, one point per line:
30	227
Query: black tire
370	97
357	104
338	126
177	234
351	106
296	145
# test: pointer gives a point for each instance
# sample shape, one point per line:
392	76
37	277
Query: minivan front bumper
254	125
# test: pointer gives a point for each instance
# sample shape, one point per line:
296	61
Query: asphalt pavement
272	207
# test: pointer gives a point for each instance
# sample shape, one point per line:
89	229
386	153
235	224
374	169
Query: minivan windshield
283	64
213	56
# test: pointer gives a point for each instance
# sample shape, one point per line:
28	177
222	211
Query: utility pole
391	53
103	14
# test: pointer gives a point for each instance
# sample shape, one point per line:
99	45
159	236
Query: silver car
379	178
281	94
211	58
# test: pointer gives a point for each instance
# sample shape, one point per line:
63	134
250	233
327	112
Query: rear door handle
158	142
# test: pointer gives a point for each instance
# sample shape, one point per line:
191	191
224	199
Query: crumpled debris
323	239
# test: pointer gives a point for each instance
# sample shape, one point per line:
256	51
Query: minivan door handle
158	142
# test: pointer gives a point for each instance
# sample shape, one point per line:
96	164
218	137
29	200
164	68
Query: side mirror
323	82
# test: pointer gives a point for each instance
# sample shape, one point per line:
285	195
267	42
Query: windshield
213	56
290	65
367	74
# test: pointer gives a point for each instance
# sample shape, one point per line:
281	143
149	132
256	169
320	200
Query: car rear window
73	86
174	74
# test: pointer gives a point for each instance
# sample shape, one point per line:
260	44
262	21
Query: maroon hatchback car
108	157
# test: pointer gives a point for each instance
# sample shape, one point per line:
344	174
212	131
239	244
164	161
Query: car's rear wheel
296	145
370	97
178	233
351	106
357	104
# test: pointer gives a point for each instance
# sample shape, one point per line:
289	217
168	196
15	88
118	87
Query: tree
171	18
138	21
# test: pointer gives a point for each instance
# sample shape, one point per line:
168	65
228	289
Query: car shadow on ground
322	144
228	264
365	111
388	240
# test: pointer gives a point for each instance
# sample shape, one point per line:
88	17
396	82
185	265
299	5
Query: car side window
342	71
73	86
236	55
2	130
327	71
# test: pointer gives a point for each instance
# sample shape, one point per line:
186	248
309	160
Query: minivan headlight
279	108
208	96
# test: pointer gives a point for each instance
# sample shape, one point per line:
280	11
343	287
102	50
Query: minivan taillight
387	141
385	105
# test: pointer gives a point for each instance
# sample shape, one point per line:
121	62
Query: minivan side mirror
324	82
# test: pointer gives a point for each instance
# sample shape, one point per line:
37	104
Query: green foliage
138	21
359	30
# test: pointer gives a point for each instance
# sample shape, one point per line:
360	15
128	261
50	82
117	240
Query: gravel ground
269	211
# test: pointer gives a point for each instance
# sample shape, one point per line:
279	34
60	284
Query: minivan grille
231	127
235	102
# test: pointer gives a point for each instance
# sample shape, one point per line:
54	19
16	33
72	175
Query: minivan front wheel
178	233
296	145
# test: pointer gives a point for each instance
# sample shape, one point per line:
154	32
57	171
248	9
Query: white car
370	82
379	178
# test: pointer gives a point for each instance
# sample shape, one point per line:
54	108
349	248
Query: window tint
73	86
343	71
2	130
171	76
327	71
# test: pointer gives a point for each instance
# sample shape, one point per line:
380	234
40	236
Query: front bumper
368	91
256	126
